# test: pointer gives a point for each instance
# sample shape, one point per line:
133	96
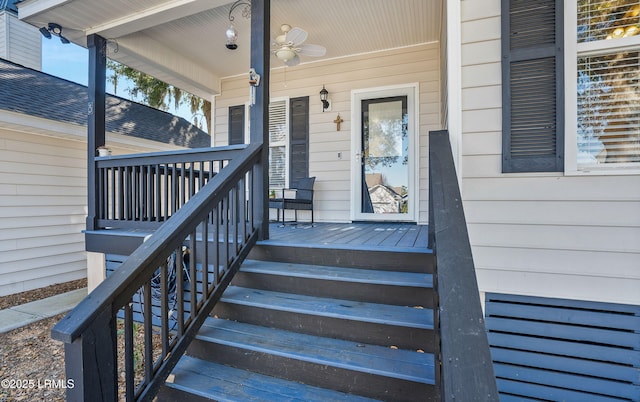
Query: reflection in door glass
385	168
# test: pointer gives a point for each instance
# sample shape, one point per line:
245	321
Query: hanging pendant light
232	38
232	32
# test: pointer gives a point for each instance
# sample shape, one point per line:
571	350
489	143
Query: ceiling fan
289	46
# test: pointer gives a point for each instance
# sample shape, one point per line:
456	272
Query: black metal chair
299	198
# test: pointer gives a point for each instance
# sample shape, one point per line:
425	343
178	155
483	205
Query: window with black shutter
532	86
236	125
288	139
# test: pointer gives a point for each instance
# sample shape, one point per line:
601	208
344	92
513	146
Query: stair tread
391	278
412	317
225	383
385	361
337	246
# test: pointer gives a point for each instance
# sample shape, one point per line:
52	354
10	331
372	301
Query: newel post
91	361
260	54
96	125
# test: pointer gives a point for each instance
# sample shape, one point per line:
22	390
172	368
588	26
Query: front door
384	161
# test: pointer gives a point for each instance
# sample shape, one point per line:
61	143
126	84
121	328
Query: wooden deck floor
352	235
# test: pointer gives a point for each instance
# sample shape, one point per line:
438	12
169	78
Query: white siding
20	42
43	197
3	34
395	67
537	234
42	211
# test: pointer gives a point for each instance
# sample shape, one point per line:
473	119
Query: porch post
260	54
96	126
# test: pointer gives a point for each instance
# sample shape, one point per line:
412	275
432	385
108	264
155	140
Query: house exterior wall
42	214
332	200
3	34
43	198
19	42
539	234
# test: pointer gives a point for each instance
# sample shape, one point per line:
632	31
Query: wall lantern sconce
232	33
53	29
323	98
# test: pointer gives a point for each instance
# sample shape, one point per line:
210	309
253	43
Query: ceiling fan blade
293	62
296	36
313	50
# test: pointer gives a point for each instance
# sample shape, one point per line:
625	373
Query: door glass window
385	161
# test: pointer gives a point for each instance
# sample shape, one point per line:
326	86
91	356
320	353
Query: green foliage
158	94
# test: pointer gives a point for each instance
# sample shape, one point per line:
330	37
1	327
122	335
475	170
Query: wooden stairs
317	324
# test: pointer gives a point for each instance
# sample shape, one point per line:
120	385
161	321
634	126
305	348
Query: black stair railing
125	337
466	370
144	190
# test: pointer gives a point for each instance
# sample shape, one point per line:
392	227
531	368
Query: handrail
466	372
144	190
217	228
184	155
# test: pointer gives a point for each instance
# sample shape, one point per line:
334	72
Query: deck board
373	235
362	235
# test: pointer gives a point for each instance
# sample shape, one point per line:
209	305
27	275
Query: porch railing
123	340
142	191
466	369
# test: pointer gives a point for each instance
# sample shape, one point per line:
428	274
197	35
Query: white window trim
247	131
572	49
286	140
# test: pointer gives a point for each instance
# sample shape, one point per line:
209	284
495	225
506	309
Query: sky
65	61
71	62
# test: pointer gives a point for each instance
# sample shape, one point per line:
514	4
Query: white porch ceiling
183	41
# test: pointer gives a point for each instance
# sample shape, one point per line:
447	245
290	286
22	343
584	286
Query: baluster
100	196
216	244
113	193
193	275
140	193
180	292
147	324
242	187
192	180
164	306
250	205
132	193
205	258
121	195
127	195
158	193
235	218
129	367
149	201
211	171
175	188
226	202
182	185
201	176
167	191
140	182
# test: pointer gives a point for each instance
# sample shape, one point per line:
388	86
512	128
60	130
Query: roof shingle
34	93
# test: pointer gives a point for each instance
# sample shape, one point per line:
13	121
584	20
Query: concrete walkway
24	314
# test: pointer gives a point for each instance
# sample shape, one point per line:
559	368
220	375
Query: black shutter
532	86
236	125
298	139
